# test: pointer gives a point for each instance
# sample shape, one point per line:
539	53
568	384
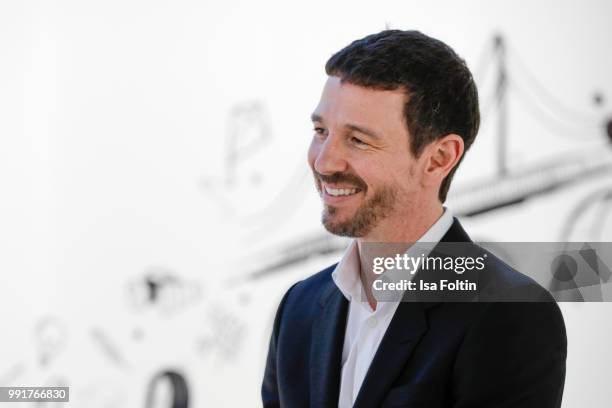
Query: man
397	113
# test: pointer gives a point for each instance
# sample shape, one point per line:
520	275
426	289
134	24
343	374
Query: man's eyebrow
364	130
316	118
356	128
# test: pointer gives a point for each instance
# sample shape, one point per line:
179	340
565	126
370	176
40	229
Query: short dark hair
442	96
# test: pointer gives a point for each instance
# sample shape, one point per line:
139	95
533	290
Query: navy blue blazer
434	354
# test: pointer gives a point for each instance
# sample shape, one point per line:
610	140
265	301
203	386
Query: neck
405	229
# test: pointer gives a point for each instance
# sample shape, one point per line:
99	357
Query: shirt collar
346	273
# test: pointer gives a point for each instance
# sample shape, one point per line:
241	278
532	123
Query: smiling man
397	113
364	170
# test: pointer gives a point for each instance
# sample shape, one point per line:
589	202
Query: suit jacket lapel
456	233
405	330
407	327
326	349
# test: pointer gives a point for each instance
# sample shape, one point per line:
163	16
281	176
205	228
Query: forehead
345	103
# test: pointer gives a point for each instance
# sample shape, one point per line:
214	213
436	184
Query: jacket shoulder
315	286
504	282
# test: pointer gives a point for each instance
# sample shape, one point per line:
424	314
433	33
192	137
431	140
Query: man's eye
319	131
358	142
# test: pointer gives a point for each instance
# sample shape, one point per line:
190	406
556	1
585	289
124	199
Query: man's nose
331	157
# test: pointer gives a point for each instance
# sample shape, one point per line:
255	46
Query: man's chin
342	227
342	230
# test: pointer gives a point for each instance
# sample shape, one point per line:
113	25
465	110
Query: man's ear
442	156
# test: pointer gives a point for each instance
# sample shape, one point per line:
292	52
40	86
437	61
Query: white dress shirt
365	327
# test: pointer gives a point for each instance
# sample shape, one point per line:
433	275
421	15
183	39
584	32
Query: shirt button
372	322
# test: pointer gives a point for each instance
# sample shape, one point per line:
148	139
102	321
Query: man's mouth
339	192
336	189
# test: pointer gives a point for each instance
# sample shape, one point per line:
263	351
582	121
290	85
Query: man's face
364	170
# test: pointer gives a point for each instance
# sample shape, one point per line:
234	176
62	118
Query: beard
366	217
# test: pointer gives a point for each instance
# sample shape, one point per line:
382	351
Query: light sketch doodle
249	130
590	219
109	348
167	389
271	201
248	133
223	335
164	290
50	335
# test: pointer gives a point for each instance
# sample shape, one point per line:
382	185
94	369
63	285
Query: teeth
335	192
